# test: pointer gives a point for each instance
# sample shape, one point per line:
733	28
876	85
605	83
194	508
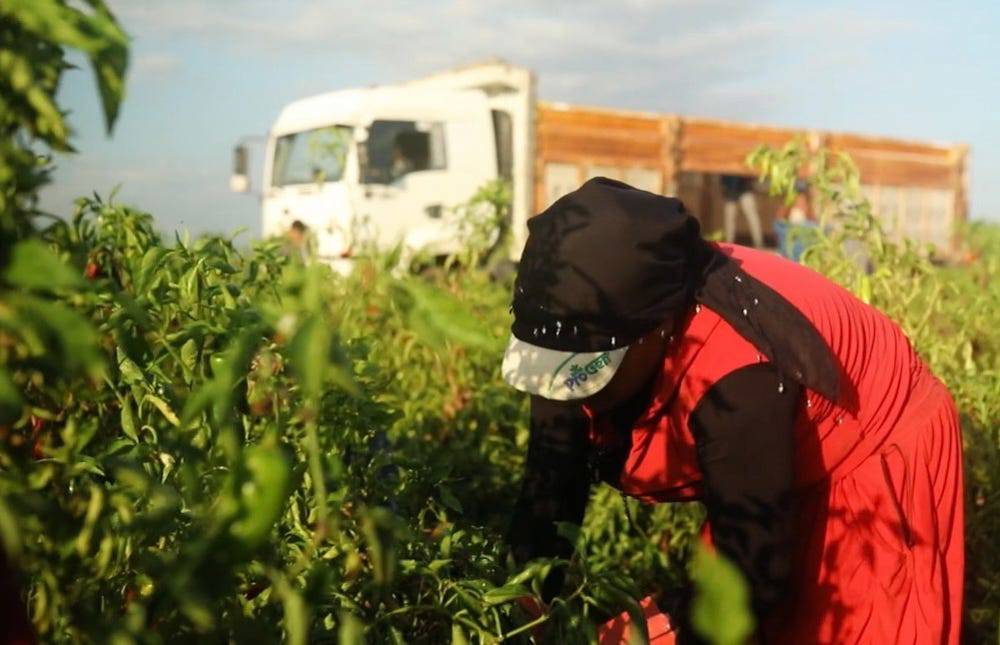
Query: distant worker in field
297	241
827	455
800	210
738	193
794	223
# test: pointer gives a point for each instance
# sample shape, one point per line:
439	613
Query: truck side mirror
239	181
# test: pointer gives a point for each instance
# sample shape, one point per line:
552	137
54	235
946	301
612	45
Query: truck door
417	172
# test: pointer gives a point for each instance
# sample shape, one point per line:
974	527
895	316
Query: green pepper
262	495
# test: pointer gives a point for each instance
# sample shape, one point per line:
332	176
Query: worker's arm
555	487
743	428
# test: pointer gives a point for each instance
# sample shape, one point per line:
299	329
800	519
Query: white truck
392	162
389	163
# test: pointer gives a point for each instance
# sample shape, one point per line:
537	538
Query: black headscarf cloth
608	263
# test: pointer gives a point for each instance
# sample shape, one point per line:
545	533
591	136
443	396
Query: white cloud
544	32
154	65
723	58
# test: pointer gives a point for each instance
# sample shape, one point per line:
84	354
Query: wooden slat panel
883	145
876	167
903	172
587	136
720	147
705	130
598	145
715	156
612	134
595	118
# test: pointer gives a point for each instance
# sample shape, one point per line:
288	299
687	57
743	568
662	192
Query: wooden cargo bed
917	188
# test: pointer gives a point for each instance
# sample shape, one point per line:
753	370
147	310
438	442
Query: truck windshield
312	156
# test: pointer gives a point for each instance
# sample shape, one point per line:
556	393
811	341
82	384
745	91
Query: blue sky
206	72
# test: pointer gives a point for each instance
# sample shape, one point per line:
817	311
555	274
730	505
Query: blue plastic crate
794	239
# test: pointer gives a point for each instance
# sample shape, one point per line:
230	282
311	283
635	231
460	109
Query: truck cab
383	164
388	165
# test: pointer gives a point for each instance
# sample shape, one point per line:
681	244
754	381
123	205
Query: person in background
738	193
297	240
794	224
827	455
403	154
800	211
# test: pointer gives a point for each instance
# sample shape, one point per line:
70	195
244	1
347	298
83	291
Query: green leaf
440	317
46	122
201	400
720	611
313	358
569	530
351	630
10	535
449	500
164	409
309	351
109	66
195	606
131	373
534	570
97	35
151	261
968	362
33	265
504	594
296	617
438	564
458	635
115	447
94	507
189	355
10	398
129	425
379	529
71	339
397	636
864	289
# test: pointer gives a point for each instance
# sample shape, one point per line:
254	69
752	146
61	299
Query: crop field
201	442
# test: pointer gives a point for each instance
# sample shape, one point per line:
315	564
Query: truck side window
503	133
396	148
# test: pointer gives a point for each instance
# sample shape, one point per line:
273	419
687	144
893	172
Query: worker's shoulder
796	282
766	262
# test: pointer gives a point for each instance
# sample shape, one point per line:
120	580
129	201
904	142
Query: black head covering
608	263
